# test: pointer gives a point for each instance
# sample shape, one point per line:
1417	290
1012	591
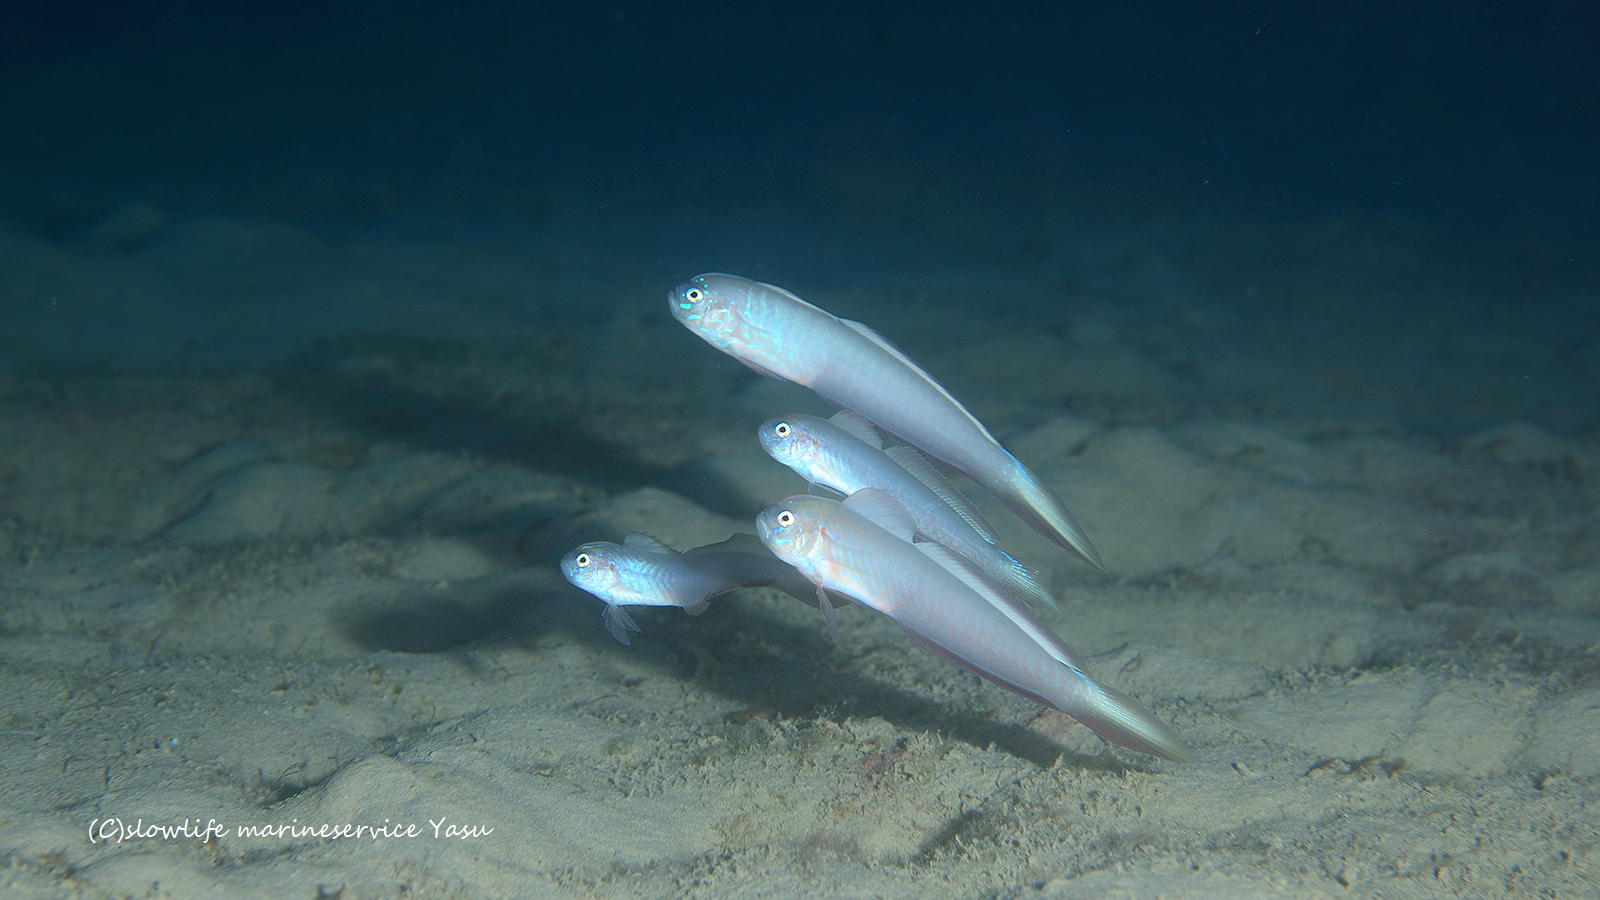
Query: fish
845	455
852	367
861	548
643	571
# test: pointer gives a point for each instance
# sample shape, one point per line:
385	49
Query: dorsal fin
792	296
883	510
644	543
892	350
1028	582
857	426
973	577
922	470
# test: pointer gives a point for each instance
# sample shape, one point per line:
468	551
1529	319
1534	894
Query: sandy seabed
286	600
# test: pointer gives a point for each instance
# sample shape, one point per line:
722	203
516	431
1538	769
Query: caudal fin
1035	503
1120	719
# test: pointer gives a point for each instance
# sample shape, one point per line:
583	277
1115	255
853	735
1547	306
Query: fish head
594	567
793	441
742	318
708	305
795	530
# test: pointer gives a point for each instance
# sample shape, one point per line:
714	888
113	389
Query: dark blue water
1483	113
1400	179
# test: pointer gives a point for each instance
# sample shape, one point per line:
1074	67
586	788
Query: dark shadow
802	683
424	619
414	390
422	392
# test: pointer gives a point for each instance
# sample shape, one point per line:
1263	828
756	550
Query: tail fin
1120	719
1035	503
1111	714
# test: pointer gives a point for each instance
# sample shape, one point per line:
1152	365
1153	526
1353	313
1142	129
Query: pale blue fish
853	367
861	549
844	454
642	571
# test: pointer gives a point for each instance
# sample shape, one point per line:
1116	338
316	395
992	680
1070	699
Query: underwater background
326	329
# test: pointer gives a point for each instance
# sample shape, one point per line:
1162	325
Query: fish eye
782	429
583	560
786	518
694	295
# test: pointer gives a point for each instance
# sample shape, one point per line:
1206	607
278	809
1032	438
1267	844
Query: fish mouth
780	545
675	302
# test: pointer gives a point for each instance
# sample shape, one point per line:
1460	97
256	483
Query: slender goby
846	455
862	548
642	571
853	367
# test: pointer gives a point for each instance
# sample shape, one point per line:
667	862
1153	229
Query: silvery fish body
853	367
843	454
642	571
859	549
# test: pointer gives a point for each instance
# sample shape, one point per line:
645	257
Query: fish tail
1035	503
1029	583
1121	719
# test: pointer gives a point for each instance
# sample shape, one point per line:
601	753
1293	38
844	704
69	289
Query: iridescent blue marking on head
687	300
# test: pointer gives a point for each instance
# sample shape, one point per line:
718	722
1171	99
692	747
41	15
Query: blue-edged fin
1036	504
618	623
1029	582
973	577
644	543
827	613
884	510
1121	719
922	470
857	426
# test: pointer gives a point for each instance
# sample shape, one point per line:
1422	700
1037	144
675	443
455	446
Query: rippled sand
277	547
